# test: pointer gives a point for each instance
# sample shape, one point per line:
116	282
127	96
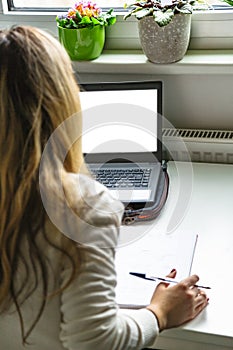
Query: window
59	4
210	29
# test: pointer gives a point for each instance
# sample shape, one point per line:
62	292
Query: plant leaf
71	24
111	21
143	13
163	18
185	9
109	18
85	22
96	22
127	15
78	16
132	12
229	2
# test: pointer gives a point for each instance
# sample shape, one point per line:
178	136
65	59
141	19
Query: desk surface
204	192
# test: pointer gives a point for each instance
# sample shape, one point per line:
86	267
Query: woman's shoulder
84	194
88	207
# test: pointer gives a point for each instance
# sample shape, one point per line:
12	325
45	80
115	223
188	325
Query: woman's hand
175	305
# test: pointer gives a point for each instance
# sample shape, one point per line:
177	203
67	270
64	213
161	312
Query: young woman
58	227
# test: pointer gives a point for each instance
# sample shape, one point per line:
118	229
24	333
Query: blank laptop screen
121	120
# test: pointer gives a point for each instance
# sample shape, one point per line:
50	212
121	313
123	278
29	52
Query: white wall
200	98
190	101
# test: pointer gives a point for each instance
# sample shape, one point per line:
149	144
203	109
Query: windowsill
135	62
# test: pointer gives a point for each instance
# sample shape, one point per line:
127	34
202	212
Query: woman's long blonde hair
38	91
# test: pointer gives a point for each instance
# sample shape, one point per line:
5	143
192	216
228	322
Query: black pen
168	280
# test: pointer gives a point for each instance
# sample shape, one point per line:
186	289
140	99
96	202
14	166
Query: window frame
210	29
11	8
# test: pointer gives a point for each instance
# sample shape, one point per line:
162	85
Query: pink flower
87	8
71	13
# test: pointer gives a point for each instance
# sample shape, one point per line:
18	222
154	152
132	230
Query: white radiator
211	146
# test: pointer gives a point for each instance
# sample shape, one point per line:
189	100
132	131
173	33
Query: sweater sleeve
91	318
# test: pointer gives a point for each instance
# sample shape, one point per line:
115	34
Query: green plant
162	10
85	14
229	2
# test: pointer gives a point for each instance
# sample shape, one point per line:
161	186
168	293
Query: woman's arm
90	315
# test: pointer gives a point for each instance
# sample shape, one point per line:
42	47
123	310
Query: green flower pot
83	44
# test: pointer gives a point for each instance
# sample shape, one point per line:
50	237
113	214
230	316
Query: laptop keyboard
133	178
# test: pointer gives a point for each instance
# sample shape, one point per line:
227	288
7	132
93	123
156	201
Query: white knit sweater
85	316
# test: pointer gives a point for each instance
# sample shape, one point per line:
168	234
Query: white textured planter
165	44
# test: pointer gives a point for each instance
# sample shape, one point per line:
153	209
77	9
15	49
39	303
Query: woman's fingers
190	281
200	305
172	274
200	298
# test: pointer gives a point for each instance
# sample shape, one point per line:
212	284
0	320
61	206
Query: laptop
122	137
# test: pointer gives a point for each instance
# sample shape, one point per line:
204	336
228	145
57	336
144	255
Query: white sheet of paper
152	254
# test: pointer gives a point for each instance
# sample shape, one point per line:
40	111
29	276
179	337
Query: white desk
210	214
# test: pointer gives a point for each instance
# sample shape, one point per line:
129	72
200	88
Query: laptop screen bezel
129	85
